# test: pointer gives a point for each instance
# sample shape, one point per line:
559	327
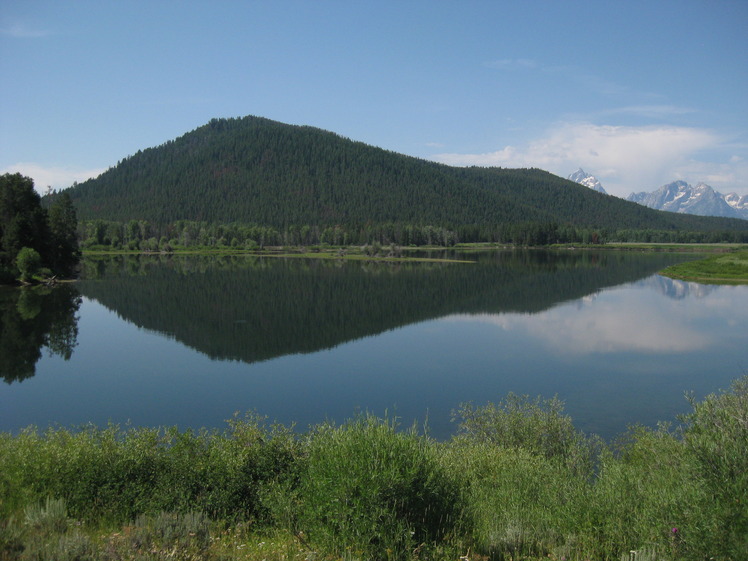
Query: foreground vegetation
730	268
516	482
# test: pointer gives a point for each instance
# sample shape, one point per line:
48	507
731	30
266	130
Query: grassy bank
516	482
728	268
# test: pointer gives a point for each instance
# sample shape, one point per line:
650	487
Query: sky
637	93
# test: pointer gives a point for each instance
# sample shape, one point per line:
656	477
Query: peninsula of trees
252	181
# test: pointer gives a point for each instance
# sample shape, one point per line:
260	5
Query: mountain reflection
251	309
32	319
678	289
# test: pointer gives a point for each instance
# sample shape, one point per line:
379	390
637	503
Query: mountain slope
254	170
701	200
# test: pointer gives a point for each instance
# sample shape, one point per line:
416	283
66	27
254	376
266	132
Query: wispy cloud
21	31
650	111
512	64
624	158
51	176
571	73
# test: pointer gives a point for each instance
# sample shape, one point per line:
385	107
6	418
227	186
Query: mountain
258	171
738	203
583	178
701	200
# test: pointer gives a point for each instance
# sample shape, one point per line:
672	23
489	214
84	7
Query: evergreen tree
63	225
25	224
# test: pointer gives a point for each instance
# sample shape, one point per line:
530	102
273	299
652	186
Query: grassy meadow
517	481
724	268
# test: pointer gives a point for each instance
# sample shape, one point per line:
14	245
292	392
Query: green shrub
643	494
166	530
372	492
519	502
716	436
117	474
70	546
28	262
48	518
538	426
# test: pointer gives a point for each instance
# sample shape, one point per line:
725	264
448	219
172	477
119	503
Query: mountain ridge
254	170
702	200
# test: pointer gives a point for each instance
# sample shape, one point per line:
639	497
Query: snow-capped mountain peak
679	196
583	178
737	202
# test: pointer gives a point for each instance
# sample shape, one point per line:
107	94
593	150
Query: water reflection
253	309
33	319
189	340
614	322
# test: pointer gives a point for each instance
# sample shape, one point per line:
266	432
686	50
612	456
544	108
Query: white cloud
55	177
624	158
20	31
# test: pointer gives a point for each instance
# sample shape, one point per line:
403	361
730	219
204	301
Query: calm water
188	341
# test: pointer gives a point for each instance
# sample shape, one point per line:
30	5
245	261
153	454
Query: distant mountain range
679	197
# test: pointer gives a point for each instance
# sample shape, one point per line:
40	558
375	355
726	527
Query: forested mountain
253	170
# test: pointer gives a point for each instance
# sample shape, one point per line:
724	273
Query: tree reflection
252	309
34	318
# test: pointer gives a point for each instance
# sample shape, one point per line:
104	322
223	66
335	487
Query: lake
190	340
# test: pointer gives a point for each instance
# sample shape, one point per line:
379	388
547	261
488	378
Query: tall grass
516	482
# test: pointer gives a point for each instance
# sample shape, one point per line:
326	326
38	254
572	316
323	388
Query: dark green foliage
23	222
25	226
63	226
303	182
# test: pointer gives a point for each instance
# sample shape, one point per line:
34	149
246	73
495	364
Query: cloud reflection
637	318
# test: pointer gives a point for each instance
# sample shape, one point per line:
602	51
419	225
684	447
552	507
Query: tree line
35	241
142	235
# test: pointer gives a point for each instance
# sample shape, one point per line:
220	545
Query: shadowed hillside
253	170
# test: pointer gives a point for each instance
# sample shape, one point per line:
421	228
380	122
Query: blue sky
639	94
